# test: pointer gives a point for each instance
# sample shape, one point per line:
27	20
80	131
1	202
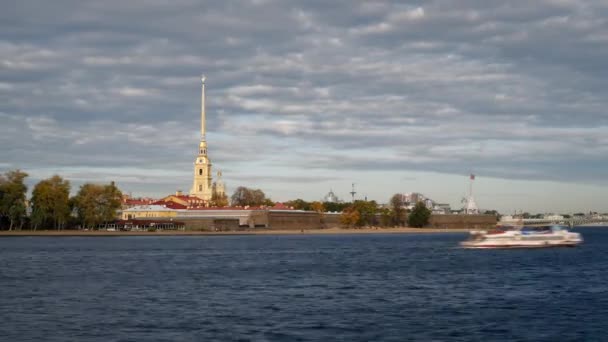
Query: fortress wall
462	221
294	220
198	223
331	220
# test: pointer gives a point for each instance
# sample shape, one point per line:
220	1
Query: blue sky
307	96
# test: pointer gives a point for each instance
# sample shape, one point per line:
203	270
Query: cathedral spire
203	128
202	183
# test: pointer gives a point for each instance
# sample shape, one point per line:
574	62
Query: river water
402	287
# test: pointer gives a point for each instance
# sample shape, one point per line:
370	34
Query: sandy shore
241	232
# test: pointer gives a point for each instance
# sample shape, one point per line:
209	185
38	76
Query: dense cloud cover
305	91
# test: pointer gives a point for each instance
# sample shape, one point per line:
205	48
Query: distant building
331	197
470	206
252	217
553	217
129	202
442	208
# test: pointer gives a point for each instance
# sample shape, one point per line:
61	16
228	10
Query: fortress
206	206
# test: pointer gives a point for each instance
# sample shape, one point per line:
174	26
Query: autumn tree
12	197
50	203
362	212
244	196
420	216
97	203
219	200
367	212
350	216
318	207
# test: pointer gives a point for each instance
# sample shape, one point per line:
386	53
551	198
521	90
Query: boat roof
533	227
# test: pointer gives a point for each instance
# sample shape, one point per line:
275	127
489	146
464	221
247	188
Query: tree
360	213
218	199
50	203
420	215
96	203
299	204
397	208
493	212
12	197
335	207
367	212
386	217
243	196
112	200
37	218
350	216
317	207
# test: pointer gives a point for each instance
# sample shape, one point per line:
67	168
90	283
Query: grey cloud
428	85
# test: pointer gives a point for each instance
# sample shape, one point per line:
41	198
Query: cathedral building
202	185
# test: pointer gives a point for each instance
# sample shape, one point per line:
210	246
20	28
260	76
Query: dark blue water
300	288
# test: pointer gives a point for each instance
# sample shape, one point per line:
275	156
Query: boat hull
517	246
510	239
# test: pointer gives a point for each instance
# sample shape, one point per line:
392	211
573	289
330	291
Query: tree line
357	214
51	205
95	204
368	213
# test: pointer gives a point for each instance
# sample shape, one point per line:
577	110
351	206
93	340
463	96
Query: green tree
420	215
335	207
112	200
50	203
96	204
386	217
493	212
12	197
398	211
299	204
37	218
367	210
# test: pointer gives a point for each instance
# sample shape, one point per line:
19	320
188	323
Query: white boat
523	237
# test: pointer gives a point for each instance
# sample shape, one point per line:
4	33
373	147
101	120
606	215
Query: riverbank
328	231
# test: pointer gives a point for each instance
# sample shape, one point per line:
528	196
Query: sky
308	96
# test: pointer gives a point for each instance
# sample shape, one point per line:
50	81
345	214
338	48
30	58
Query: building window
200	188
200	172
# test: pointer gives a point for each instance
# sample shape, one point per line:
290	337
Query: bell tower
201	186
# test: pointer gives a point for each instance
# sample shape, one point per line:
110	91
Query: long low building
226	218
215	219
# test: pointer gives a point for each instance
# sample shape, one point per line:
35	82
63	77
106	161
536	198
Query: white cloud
130	91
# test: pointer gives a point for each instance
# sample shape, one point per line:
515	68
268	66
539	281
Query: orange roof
137	201
281	206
